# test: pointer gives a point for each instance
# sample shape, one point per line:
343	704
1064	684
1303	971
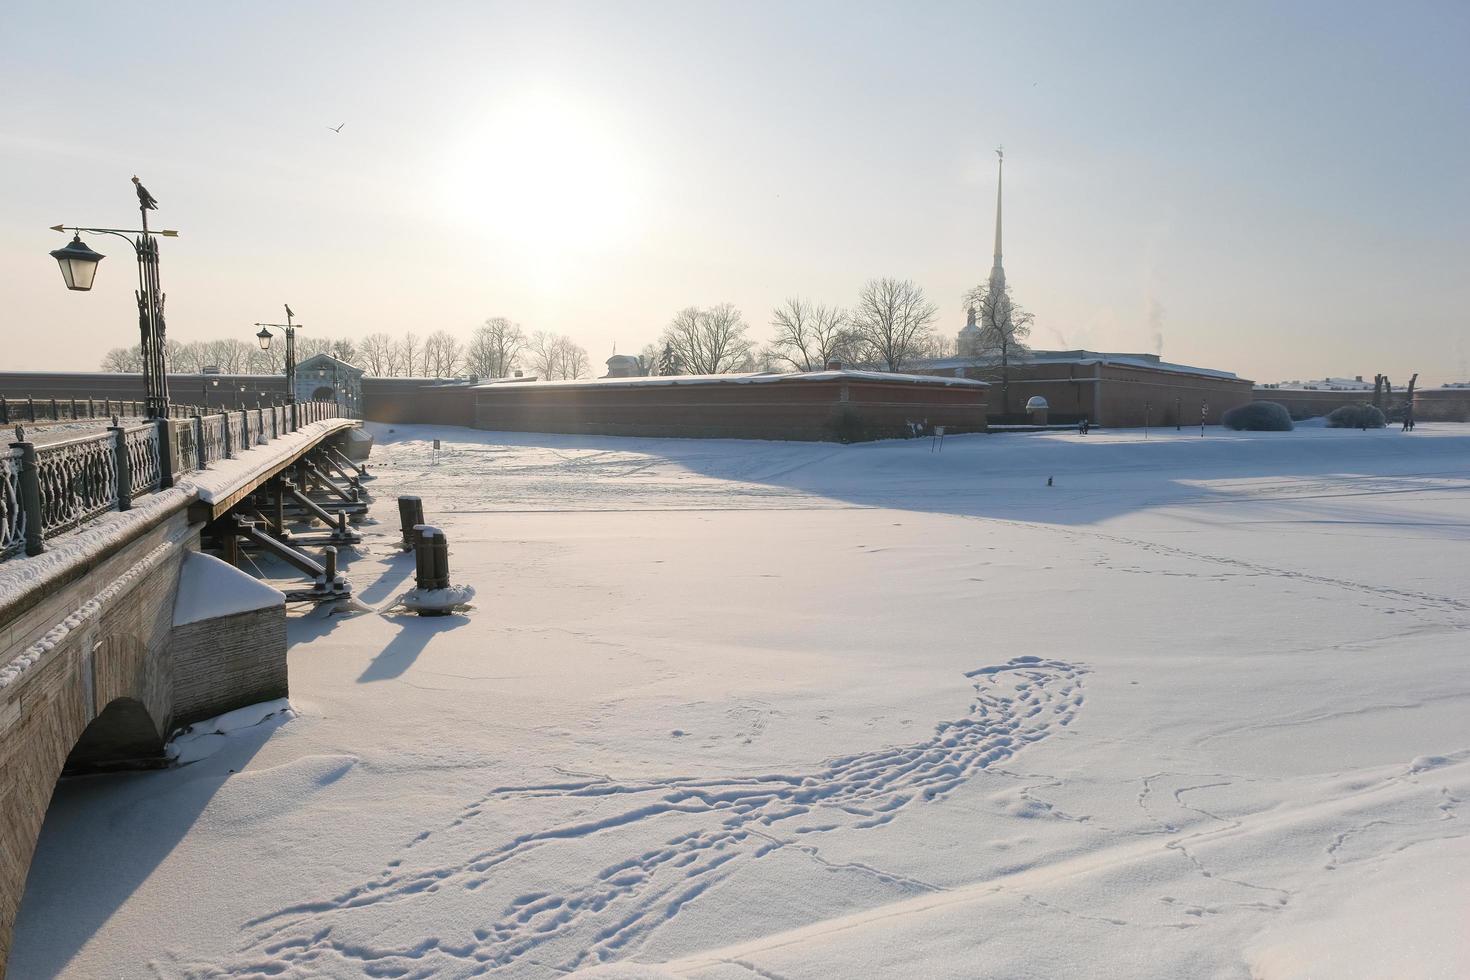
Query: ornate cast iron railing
78	480
12	515
212	438
52	488
141	445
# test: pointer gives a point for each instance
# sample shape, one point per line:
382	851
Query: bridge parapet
49	489
122	631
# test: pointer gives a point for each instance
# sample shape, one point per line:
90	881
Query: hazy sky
1279	189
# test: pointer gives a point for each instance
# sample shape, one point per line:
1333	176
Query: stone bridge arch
85	707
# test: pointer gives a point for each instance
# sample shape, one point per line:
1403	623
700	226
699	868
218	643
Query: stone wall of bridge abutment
97	667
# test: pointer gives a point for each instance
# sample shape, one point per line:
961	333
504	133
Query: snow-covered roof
758	378
1325	384
318	361
1083	357
485	382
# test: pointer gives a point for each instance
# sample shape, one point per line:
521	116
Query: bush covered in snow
1355	417
1258	417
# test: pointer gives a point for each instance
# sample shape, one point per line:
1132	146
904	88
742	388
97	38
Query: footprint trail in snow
737	821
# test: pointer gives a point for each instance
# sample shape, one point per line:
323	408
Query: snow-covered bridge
114	628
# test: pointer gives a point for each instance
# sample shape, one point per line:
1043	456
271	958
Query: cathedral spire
997	272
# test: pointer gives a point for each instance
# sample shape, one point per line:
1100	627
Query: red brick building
1108	389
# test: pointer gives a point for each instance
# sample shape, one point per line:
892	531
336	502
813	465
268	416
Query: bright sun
546	173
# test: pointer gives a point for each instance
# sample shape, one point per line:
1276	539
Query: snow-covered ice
734	709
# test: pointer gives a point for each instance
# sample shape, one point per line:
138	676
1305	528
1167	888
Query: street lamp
204	385
290	328
78	265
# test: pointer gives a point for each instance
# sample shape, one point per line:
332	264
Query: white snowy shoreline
738	709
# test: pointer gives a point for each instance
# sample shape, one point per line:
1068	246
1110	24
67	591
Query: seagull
145	200
337	128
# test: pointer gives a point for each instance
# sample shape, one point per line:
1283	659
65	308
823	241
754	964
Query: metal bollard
410	514
331	581
431	555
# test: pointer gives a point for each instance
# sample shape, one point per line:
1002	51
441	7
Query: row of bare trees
494	350
890	327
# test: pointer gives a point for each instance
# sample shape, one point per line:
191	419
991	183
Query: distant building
1104	388
324	378
967	344
1325	384
624	366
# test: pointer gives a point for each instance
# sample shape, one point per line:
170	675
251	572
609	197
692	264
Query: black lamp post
290	328
204	385
79	268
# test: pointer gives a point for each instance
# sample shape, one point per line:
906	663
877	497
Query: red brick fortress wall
831	406
404	400
1442	405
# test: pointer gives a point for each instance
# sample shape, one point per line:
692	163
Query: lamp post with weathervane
79	268
289	328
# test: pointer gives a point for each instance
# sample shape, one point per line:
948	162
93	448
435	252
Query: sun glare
547	173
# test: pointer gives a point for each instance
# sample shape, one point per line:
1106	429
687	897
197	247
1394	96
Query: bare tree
1001	344
708	341
809	335
556	358
892	321
229	355
648	359
442	353
344	350
124	360
190	356
310	345
408	354
376	350
573	359
494	348
269	361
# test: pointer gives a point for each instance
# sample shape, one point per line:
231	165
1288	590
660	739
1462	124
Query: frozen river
741	709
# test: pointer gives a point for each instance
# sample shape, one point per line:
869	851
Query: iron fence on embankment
49	489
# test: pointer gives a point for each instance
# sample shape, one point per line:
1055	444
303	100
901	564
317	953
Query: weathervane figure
145	200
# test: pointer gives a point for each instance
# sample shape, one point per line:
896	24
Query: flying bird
145	200
337	128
